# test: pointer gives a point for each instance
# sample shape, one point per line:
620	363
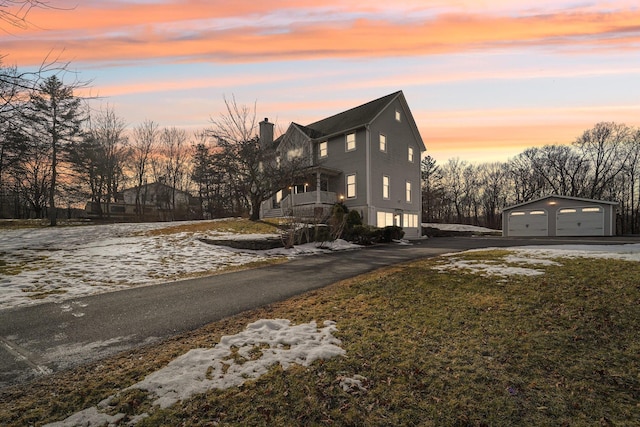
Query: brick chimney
266	133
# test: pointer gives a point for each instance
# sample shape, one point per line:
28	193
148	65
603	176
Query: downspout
368	173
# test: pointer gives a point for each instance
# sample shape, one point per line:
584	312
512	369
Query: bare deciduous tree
257	169
453	184
14	12
170	164
604	147
98	158
494	186
144	144
32	176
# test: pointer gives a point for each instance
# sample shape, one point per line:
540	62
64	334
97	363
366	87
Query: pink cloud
189	30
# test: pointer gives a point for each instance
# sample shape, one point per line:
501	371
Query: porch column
318	200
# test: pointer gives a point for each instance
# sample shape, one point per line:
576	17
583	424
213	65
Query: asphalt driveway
41	339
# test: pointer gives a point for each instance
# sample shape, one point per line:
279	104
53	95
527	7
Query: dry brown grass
435	348
230	225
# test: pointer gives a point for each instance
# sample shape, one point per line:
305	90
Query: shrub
390	233
360	234
353	219
367	235
321	233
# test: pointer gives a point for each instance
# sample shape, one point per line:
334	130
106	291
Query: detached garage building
560	216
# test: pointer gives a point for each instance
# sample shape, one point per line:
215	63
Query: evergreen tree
54	117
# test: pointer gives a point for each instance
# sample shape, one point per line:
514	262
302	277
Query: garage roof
555	196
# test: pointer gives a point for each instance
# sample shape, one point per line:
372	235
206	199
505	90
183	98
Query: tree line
602	163
57	152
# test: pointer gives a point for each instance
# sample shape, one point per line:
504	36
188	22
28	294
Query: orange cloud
251	32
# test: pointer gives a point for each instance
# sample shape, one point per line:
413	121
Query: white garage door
580	221
528	223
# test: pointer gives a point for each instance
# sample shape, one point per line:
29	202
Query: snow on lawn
459	227
250	354
234	360
522	260
53	264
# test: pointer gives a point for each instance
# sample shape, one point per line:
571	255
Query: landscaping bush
368	235
353	219
360	234
321	233
390	233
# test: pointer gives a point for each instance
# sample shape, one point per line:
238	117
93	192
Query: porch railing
305	201
309	198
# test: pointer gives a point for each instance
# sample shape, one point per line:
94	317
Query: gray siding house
367	157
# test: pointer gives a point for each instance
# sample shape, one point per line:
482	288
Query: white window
322	149
385	187
385	219
408	191
383	143
279	196
567	210
351	141
398	117
591	210
410	221
351	186
411	154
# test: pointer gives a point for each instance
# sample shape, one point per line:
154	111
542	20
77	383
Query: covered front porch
313	196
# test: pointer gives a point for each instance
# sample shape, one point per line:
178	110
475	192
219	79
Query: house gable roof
359	117
555	196
353	118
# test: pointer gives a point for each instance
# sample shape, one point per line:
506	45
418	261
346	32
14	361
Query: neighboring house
367	157
155	203
560	216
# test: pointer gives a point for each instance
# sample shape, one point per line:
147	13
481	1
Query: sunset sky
485	79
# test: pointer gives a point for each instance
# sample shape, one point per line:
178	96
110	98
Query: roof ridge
391	95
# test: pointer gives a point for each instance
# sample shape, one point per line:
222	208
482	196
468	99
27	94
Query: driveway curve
41	339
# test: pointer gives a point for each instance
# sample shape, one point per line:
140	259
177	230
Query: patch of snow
352	384
402	242
62	263
537	256
89	417
532	261
628	252
459	227
68	355
477	267
234	360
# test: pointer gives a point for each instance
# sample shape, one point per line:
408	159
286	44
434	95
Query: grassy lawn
230	225
432	348
227	225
